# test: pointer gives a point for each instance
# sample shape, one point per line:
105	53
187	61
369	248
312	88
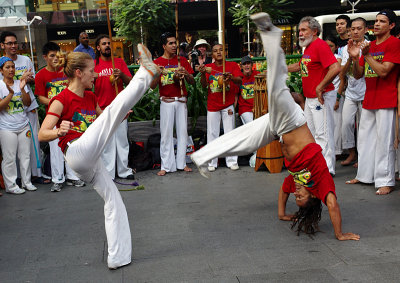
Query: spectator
337	113
49	82
318	68
342	28
354	94
199	54
24	69
15	135
216	108
379	62
84	45
115	154
246	96
173	96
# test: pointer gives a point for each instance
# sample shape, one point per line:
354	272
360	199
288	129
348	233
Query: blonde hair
73	61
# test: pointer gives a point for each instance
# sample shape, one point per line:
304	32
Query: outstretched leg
284	114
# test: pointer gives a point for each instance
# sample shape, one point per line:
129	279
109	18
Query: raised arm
336	218
47	131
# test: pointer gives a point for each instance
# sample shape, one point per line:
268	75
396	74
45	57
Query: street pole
248	32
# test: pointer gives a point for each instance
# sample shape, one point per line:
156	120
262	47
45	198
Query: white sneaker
75	183
30	187
16	190
234	167
147	62
211	168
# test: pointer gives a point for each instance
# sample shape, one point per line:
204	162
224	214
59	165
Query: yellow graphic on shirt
303	66
369	72
168	78
247	91
55	87
214	86
83	121
15	106
302	177
19	72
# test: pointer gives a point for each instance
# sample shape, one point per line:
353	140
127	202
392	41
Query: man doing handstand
309	177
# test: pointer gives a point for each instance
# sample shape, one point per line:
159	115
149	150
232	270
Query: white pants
84	157
351	113
284	114
213	130
247	117
173	113
321	124
116	152
337	118
35	145
57	165
13	143
376	154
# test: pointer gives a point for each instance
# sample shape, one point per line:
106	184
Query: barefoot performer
83	134
309	177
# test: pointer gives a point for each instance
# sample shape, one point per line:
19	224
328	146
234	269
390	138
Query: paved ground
186	228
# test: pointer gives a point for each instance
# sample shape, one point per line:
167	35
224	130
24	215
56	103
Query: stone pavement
186	228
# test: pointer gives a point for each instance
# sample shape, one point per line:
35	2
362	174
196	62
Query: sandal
41	180
351	182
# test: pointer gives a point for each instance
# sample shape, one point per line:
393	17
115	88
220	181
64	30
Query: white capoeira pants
247	117
173	113
321	124
116	152
57	163
284	114
15	143
84	157
337	118
36	155
213	130
376	153
350	116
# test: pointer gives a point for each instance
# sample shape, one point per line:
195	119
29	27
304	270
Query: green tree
241	8
142	19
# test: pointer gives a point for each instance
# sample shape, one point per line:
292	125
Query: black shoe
129	177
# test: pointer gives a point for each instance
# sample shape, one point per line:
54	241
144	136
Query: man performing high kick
309	177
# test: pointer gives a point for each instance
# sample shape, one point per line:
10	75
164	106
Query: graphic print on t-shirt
169	77
83	119
214	86
302	177
247	90
369	72
15	105
303	65
56	86
19	71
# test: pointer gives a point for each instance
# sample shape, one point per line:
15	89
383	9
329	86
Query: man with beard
84	45
318	68
118	146
173	109
379	63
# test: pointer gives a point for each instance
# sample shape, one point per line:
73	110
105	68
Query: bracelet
338	95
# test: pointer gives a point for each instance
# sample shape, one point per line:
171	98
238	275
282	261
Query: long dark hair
97	43
308	217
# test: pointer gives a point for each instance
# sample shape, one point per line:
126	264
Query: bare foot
351	182
355	165
161	173
384	190
187	169
349	160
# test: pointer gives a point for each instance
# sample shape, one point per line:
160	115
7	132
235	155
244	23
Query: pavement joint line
329	248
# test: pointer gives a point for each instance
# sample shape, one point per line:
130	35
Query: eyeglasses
11	43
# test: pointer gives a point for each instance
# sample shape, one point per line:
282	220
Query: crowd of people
351	93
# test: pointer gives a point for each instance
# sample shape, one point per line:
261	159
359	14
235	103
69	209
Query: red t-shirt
79	110
104	90
382	92
168	87
214	100
246	97
314	65
50	84
309	168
